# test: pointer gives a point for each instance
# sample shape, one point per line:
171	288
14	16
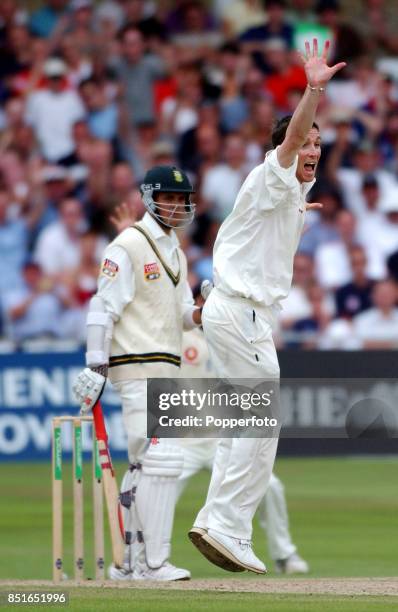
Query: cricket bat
110	488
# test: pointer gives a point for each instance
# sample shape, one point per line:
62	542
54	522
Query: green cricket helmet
168	179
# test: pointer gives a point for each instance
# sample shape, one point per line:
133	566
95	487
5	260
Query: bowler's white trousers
239	337
272	512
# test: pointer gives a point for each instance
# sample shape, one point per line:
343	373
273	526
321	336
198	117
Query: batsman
134	332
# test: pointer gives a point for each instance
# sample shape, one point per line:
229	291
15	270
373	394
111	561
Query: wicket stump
57	502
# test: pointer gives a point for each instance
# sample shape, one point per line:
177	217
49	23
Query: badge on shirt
109	268
190	354
151	271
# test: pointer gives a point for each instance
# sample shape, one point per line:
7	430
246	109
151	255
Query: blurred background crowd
94	93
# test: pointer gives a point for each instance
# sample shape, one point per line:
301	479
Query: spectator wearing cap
381	240
377	327
355	296
276	25
52	111
55	183
137	73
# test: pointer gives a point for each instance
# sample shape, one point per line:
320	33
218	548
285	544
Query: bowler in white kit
253	267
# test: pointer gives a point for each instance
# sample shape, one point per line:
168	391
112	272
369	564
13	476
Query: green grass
343	516
82	600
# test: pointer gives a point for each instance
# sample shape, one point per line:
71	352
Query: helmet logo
177	176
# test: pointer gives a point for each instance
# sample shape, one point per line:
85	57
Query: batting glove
88	389
206	288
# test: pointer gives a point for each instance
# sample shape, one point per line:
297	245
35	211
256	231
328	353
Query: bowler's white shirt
119	291
255	246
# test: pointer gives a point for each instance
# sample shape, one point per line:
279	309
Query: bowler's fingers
307	50
337	67
326	48
315	47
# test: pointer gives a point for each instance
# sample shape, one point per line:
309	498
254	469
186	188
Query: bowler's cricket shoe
214	556
232	554
195	535
292	565
166	573
119	573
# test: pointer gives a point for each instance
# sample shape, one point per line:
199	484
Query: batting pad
155	500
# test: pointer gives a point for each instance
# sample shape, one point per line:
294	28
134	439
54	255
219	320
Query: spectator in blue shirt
13	244
102	115
44	20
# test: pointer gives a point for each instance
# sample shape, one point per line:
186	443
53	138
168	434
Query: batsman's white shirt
254	250
120	291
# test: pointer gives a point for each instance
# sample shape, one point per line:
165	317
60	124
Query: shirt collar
157	231
305	187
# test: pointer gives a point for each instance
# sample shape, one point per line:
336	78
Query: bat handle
99	423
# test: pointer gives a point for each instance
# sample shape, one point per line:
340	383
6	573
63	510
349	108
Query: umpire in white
134	332
253	266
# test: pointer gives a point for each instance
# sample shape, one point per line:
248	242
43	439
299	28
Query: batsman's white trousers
133	398
272	511
132	394
239	337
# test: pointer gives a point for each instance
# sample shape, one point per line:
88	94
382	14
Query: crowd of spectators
94	93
